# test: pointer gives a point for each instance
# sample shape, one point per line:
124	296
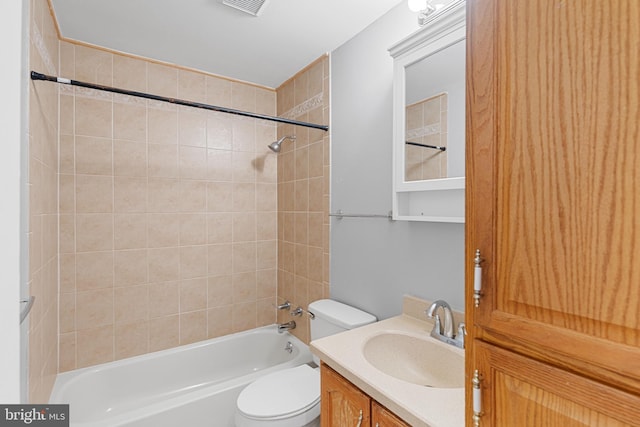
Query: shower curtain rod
435	147
39	76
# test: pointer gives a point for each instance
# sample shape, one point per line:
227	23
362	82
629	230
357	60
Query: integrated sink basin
416	359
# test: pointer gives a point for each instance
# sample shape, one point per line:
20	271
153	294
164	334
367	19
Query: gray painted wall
374	261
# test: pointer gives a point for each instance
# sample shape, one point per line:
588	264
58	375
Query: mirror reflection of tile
426	123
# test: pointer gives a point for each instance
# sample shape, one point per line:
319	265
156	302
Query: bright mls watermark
34	415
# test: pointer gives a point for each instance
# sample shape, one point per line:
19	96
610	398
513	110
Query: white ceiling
209	36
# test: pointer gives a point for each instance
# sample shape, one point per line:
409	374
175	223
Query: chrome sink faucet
445	333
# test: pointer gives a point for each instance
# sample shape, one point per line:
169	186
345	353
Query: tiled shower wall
303	193
168	215
43	211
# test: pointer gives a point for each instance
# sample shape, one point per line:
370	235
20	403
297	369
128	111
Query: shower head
275	146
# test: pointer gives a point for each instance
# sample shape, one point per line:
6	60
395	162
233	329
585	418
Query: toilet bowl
287	398
291	397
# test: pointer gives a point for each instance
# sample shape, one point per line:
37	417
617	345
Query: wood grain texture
569	225
341	403
519	391
382	417
553	164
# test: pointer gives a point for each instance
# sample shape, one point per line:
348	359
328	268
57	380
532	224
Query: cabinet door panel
519	391
382	417
342	404
554	163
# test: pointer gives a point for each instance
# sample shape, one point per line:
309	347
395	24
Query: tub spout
286	326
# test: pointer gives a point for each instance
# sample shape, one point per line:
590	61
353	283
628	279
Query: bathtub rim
66	379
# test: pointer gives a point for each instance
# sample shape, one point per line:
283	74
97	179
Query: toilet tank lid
340	314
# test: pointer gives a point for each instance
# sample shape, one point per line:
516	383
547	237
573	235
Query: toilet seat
281	395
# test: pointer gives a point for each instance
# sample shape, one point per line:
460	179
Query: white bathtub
193	385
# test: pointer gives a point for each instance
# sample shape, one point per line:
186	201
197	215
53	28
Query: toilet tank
332	317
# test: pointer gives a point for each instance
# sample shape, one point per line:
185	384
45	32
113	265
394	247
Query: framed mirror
429	119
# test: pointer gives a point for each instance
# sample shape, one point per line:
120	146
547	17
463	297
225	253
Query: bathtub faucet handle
297	312
285	305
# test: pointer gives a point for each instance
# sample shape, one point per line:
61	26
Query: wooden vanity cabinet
382	417
343	404
553	206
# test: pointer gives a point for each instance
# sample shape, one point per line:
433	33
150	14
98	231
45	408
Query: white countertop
415	404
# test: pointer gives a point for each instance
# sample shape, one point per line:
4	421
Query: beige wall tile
162	127
244	197
193	261
93	155
219	291
163	160
94	346
130	194
266	225
162	80
219	321
164	230
191	86
220	196
93	65
193	326
192	127
164	332
164	299
169	224
130	231
219	165
94	232
130	122
192	196
129	158
130	267
193	294
244	287
219	228
193	162
219	132
164	264
244	134
129	73
193	229
93	117
162	195
94	194
131	304
219	260
94	270
244	227
244	316
67	342
131	339
94	308
244	257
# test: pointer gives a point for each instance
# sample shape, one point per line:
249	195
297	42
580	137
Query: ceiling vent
252	7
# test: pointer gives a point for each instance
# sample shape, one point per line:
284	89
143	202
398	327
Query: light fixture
417	5
424	8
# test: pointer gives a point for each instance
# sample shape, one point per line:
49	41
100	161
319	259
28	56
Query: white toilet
291	397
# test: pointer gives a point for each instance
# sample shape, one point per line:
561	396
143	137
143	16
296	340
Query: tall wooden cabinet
553	206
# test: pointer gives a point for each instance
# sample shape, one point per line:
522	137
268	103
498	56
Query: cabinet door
552	181
382	417
519	391
342	404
